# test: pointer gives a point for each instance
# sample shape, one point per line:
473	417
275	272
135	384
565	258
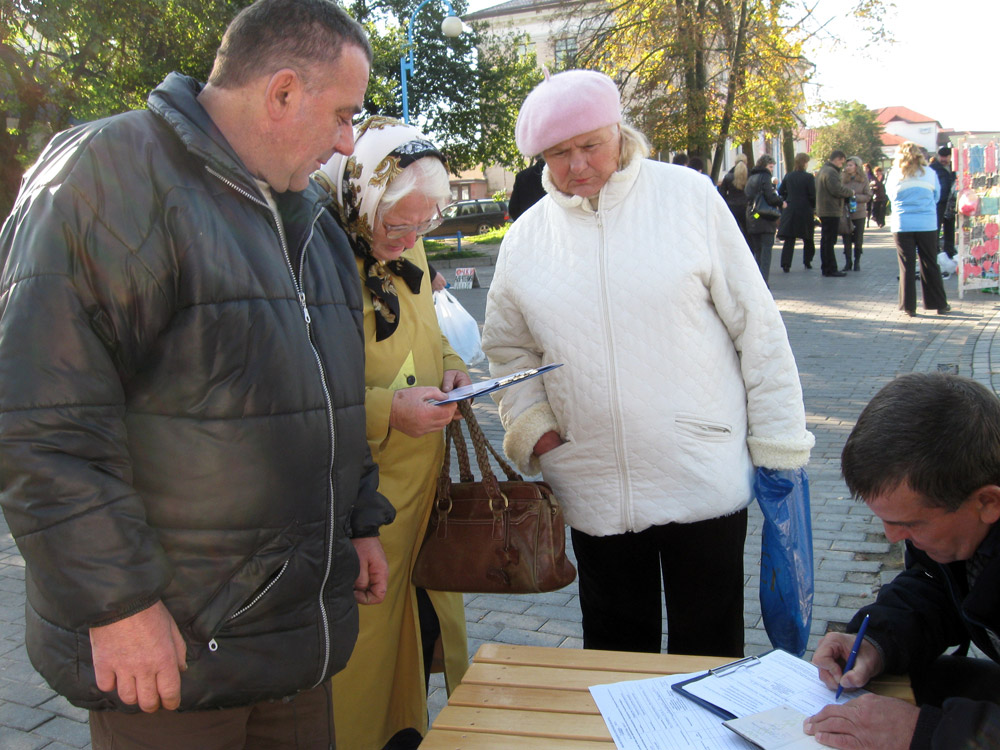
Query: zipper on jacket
301	297
213	645
616	419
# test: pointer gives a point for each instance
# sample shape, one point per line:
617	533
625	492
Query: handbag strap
454	434
481	445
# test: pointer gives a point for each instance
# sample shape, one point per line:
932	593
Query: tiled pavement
849	340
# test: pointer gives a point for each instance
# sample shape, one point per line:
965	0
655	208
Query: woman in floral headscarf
388	194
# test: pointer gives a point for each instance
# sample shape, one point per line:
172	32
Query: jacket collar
613	192
175	101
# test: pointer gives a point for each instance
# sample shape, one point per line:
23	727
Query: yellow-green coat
382	688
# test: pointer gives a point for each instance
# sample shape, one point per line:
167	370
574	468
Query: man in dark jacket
830	195
925	457
183	455
942	167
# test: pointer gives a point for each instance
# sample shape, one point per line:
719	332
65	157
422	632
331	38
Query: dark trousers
702	568
761	246
878	212
946	228
788	249
827	242
304	722
909	247
853	242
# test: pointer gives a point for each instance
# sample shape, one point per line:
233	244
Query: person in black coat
798	190
731	189
760	229
527	190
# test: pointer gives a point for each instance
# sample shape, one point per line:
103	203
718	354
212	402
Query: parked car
471	217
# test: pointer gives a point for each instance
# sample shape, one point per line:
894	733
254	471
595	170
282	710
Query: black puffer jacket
182	416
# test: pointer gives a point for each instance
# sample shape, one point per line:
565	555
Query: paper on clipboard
758	683
495	384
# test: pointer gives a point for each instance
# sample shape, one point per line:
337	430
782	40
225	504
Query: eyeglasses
398	231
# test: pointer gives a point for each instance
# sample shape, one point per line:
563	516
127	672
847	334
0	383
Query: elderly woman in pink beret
678	377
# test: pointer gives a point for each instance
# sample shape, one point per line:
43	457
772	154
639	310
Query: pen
854	654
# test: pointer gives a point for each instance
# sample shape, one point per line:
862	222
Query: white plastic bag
948	265
461	328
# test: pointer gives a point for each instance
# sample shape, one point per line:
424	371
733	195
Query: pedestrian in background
945	218
830	197
731	190
798	191
854	178
761	229
527	190
653	473
879	197
914	189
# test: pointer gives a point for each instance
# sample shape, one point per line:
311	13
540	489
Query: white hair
426	176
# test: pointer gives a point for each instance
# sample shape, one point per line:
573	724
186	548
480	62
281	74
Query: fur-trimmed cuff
771	453
524	432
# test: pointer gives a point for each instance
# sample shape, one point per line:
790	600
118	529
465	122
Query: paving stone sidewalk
849	340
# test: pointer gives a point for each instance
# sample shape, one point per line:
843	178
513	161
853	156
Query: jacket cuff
522	434
927	721
772	453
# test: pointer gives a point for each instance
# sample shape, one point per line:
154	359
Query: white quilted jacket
678	376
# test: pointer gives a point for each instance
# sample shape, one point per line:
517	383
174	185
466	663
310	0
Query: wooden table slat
617	661
525	699
447	739
546	677
502	721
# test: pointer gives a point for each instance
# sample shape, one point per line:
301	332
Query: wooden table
529	697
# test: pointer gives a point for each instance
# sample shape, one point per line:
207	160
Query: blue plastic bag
786	557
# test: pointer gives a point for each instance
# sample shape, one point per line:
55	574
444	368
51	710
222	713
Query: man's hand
831	656
438	282
143	655
547	442
412	415
373	579
871	722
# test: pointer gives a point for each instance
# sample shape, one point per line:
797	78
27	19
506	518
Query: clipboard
488	386
757	683
744	663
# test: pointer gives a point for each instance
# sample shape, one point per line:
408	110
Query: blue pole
406	61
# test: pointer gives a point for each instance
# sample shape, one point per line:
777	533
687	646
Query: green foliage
696	72
66	61
856	131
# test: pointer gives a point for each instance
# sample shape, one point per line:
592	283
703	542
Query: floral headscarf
383	148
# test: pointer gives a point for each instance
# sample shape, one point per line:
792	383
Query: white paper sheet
777	679
650	715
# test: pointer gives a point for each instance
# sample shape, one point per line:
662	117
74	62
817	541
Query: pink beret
565	105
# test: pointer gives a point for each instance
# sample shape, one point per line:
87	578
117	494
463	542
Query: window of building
565	52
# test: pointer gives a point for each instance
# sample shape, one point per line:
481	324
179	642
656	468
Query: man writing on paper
925	457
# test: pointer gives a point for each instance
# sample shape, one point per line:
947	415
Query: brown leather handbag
487	536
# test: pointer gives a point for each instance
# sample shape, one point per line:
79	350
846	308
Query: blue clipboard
488	386
745	663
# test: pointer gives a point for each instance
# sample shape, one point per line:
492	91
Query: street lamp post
451	26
